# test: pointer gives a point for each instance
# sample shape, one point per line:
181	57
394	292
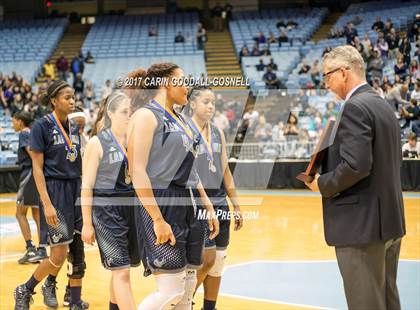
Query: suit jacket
360	174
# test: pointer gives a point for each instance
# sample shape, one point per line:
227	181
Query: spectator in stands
386	85
392	39
77	66
412	116
411	149
357	45
260	66
280	24
17	104
400	68
283	38
201	37
255	51
397	97
49	70
291	24
388	26
89	59
179	38
217	17
413	68
62	67
277	132
304	68
367	44
376	86
263	130
244	52
415	94
78	84
415	29
272	65
153	32
291	128
350	33
271	38
375	65
251	117
331	110
228	11
221	121
382	47
260	38
89	93
405	49
316	73
106	90
378	25
266	52
270	79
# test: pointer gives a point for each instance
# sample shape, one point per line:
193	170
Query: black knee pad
76	264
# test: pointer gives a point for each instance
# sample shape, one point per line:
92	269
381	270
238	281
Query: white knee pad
170	290
219	264
190	283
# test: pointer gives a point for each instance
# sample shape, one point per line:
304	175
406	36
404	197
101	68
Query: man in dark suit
360	186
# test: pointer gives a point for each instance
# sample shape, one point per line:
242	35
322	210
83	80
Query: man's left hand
313	186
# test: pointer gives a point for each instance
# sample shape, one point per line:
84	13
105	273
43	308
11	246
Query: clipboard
318	155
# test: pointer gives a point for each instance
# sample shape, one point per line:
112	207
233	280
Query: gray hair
346	56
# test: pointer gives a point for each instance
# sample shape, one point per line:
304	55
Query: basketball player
161	153
110	215
55	146
27	196
216	178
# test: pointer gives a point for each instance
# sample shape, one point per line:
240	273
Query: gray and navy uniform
27	194
214	186
62	177
114	209
170	170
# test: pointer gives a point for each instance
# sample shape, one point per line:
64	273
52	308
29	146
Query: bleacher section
127	36
285	60
21	50
247	24
113	68
9	140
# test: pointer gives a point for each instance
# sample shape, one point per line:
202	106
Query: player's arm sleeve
24	139
355	148
37	140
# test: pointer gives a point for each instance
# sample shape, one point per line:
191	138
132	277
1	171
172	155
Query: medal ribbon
207	142
120	148
63	133
173	117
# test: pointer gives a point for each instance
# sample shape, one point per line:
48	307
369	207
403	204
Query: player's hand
88	234
313	186
163	232
51	216
239	221
213	225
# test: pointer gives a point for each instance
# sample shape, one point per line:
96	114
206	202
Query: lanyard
67	140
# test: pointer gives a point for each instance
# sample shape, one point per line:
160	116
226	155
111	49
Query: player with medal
108	200
212	167
55	145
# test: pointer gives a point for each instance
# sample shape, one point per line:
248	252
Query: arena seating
127	36
21	50
247	24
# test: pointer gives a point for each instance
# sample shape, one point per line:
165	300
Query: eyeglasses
325	75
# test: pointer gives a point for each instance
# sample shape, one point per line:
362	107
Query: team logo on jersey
159	262
109	261
56	237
